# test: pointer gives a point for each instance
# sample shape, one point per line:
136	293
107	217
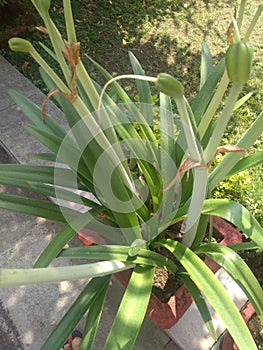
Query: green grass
166	36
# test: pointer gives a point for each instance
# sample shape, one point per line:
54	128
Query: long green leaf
36	207
34	114
50	191
204	96
132	310
93	319
144	90
77	310
246	163
242	100
121	253
119	90
44	174
214	292
55	246
233	212
232	159
238	270
206	64
18	277
53	142
238	215
199	301
63	237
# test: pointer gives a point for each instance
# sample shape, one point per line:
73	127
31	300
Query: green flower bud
239	62
42	5
20	45
169	85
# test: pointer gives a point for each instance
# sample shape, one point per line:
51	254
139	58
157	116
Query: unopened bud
20	45
169	85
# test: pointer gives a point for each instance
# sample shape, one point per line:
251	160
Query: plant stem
71	34
59	83
241	13
253	22
221	124
213	105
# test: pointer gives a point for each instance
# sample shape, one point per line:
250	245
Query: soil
256	330
16	20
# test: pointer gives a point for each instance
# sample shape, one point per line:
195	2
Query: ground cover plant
147	160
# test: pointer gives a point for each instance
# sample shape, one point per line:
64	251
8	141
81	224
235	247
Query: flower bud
169	85
42	5
20	45
239	62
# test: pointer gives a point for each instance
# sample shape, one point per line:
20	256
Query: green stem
71	34
213	105
59	83
241	13
253	22
222	122
59	47
236	30
88	85
42	7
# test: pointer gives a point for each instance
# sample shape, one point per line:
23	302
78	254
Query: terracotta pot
166	315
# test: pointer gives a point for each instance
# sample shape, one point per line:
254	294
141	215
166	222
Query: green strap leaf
50	191
130	315
204	96
87	298
63	237
18	277
238	215
233	158
93	319
121	253
238	270
136	246
246	163
233	212
199	301
143	90
214	292
34	114
36	207
206	64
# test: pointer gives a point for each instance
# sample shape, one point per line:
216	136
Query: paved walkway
28	314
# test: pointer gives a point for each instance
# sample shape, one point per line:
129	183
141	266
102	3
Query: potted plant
166	314
135	183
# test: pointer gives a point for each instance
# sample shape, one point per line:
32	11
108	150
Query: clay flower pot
166	315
